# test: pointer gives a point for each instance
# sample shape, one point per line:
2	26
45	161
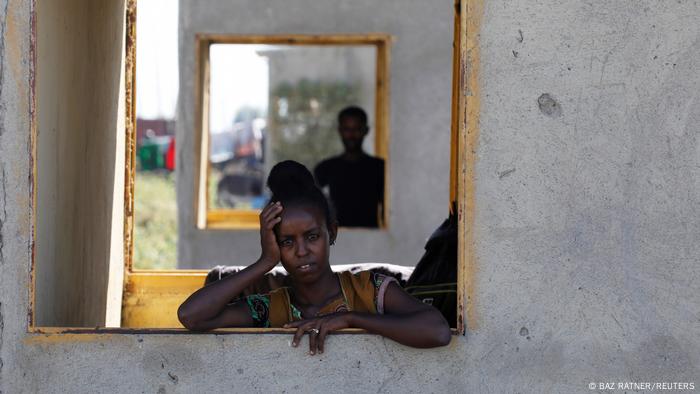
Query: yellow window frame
238	219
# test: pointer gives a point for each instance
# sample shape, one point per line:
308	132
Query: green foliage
303	120
214	178
155	216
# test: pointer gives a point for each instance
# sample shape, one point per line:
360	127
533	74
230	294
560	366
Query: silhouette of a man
354	178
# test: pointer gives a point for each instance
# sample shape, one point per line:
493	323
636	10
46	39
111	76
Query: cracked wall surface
3	25
3	210
3	201
3	190
586	227
2	328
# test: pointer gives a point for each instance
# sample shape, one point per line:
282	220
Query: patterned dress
361	292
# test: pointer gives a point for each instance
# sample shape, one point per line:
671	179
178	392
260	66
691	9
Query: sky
239	76
156	59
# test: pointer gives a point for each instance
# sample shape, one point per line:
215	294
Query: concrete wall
80	110
420	84
586	228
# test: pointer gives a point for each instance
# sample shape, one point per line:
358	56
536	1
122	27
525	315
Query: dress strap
280	307
359	291
346	288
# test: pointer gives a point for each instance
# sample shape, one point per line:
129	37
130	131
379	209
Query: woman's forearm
421	329
207	302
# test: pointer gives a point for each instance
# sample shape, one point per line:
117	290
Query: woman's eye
286	242
313	237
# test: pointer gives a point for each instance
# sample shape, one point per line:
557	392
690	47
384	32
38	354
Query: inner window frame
207	218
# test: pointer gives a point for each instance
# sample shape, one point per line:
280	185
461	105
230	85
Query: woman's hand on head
318	328
269	217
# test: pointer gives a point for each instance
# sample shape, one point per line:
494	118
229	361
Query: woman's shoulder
368	289
362	280
357	277
399	272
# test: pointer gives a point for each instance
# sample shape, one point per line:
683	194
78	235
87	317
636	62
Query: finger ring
314	330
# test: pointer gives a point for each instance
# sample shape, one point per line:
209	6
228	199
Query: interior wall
419	105
80	159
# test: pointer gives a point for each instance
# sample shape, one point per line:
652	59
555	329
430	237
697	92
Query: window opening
157	88
170	283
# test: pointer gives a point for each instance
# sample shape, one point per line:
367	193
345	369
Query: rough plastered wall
587	222
420	93
80	96
588	193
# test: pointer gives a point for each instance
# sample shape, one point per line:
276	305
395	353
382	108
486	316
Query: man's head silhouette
353	128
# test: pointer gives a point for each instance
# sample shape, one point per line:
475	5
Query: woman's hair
291	183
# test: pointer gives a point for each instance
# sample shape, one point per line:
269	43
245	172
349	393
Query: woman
297	228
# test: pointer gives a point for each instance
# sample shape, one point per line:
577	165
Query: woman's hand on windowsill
318	328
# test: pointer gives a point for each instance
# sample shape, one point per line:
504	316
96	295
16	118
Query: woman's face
304	239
